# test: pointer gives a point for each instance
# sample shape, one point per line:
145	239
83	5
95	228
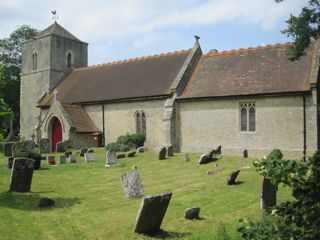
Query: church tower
46	60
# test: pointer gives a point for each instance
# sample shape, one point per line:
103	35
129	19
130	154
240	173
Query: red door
56	134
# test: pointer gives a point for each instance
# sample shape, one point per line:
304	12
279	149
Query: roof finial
55	15
197	38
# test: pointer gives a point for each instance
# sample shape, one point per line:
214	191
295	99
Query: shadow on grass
43	168
29	201
161	234
239	182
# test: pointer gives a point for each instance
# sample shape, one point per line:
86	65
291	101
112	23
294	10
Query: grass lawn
91	204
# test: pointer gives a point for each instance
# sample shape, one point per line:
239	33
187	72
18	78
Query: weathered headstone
72	158
192	213
244	153
162	153
7	147
89	157
203	159
170	151
23	146
233	176
132	185
67	153
51	160
140	149
122	155
83	151
151	213
21	175
10	162
44	145
111	159
186	157
60	147
268	197
62	159
214	154
46	202
131	154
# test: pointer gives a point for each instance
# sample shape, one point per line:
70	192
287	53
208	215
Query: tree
10	56
303	29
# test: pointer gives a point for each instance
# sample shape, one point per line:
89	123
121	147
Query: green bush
33	155
275	154
126	142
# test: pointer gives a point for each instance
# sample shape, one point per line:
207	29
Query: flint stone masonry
192	213
89	157
151	213
60	147
72	158
131	154
268	197
132	185
44	145
233	176
7	149
21	175
170	151
51	160
162	153
62	159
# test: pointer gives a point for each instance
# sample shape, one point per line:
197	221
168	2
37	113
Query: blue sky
121	29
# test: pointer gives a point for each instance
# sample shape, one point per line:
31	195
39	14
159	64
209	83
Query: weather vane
55	15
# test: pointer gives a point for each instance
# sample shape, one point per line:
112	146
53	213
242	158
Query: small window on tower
69	57
34	61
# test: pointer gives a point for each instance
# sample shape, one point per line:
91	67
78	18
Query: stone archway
56	133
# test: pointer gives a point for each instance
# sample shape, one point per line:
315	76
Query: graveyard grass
91	204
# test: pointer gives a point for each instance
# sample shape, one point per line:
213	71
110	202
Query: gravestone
90	151
140	149
192	213
203	159
51	160
214	154
131	154
186	157
23	146
233	176
151	213
72	158
83	151
245	153
111	159
68	143
132	185
60	147
67	153
62	159
46	202
122	155
7	149
44	145
162	153
170	151
21	175
89	157
268	197
218	167
10	162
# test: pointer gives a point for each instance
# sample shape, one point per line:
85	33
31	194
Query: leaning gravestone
268	197
7	147
83	151
233	176
111	159
72	158
214	154
162	153
170	151
151	213
60	147
132	185
62	159
21	175
203	159
44	145
89	157
186	157
192	213
51	160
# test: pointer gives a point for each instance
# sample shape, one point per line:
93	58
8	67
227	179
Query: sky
122	29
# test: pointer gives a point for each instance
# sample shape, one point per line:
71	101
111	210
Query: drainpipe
103	130
304	128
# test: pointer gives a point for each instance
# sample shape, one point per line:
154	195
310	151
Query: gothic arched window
34	61
247	117
141	123
69	60
138	122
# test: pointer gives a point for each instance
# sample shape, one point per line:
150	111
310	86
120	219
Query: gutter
304	127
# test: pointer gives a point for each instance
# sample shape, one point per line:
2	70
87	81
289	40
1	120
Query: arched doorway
56	133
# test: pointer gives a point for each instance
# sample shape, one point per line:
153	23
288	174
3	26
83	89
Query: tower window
34	61
247	117
69	58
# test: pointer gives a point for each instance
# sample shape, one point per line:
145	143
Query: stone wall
203	125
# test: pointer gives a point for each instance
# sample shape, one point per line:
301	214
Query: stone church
254	98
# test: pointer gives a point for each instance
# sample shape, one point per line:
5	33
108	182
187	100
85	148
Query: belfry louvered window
247	117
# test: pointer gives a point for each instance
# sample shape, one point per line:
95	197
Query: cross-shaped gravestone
151	213
21	175
132	184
